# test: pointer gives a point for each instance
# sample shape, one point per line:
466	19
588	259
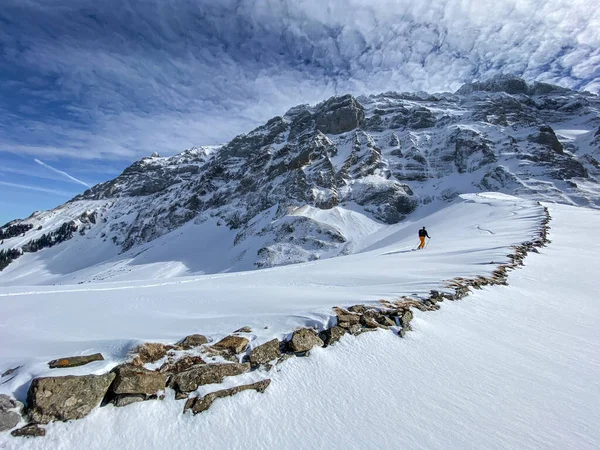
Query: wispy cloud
61	172
37	188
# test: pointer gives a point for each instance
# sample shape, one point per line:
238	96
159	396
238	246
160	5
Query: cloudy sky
87	86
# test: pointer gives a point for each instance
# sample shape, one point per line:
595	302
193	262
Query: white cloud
119	83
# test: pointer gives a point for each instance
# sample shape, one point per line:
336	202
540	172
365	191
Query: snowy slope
509	367
317	181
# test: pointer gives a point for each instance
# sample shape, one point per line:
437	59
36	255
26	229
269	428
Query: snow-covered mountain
315	183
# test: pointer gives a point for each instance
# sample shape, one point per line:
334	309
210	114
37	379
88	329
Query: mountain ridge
373	160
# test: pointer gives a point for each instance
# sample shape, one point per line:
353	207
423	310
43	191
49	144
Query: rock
547	137
128	399
8	419
358	309
151	352
305	339
332	335
350	319
10	371
402	332
339	115
244	330
65	398
193	340
181	365
354	329
198	404
199	375
131	379
406	318
7	403
74	361
369	323
265	353
233	344
31	430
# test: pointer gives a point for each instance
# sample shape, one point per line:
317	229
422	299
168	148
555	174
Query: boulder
193	340
367	322
199	375
332	335
354	329
232	344
74	361
8	419
198	404
65	398
31	430
305	339
137	380
151	352
265	353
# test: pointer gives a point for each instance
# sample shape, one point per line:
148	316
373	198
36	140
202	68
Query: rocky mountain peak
510	84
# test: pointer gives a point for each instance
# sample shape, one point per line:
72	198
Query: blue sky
87	87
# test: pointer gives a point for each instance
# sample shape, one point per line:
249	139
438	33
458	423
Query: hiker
422	235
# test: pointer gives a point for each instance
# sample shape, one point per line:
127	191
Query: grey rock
137	380
354	329
193	340
189	380
265	353
31	430
74	361
8	420
64	398
7	403
406	318
198	404
305	339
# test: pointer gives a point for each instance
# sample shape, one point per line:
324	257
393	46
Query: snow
508	367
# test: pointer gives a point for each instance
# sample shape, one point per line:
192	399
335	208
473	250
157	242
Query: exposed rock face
65	398
137	380
547	137
305	339
339	115
189	380
265	353
198	404
381	156
74	361
193	340
233	344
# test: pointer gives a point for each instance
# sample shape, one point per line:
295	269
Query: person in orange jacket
422	235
